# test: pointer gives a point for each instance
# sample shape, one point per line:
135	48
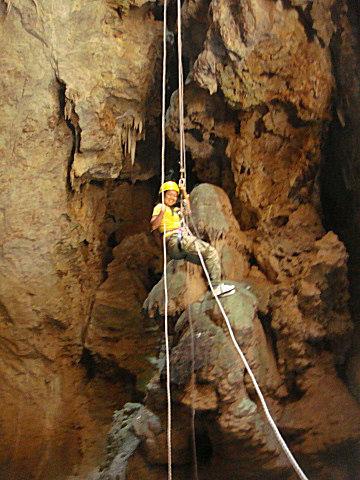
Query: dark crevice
61	94
270	333
248	219
158	11
303	186
280	220
287	4
295	392
87	361
3	8
341	372
108	370
119	11
108	256
154	276
5	315
204	448
320	344
197	134
112	241
259	128
98	183
252	261
305	18
292	114
268	74
75	130
340	168
307	22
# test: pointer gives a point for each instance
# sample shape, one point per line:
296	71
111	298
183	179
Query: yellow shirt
171	219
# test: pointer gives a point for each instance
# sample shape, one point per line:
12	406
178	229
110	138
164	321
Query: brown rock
252	52
74	60
214	221
116	331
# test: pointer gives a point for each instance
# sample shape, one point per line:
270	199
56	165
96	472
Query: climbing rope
182	182
278	435
192	384
166	299
182	162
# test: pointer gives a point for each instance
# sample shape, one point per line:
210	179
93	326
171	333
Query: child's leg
209	253
173	248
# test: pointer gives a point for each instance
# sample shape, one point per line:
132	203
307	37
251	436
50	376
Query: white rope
192	385
280	439
183	181
181	98
272	423
166	299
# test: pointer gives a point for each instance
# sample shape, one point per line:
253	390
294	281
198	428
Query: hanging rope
181	100
232	336
166	299
280	439
192	384
182	183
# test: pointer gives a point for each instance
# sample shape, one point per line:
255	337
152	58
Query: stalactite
130	128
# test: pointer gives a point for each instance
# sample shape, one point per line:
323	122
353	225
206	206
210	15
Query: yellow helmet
169	186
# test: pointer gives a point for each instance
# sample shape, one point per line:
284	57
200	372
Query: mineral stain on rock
271	129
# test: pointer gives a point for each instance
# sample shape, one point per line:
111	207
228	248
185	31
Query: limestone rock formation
116	329
271	118
293	369
74	101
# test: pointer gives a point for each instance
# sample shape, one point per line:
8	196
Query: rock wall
292	345
74	103
340	164
79	150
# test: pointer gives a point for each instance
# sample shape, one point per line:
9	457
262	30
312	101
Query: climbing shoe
223	290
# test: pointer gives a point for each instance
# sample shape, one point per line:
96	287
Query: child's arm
156	219
186	200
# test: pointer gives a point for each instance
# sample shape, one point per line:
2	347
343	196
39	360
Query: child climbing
180	244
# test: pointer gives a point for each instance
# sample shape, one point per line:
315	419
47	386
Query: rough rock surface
294	371
74	100
116	329
80	101
274	147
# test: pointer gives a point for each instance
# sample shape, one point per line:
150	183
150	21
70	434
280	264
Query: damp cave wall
340	166
71	197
